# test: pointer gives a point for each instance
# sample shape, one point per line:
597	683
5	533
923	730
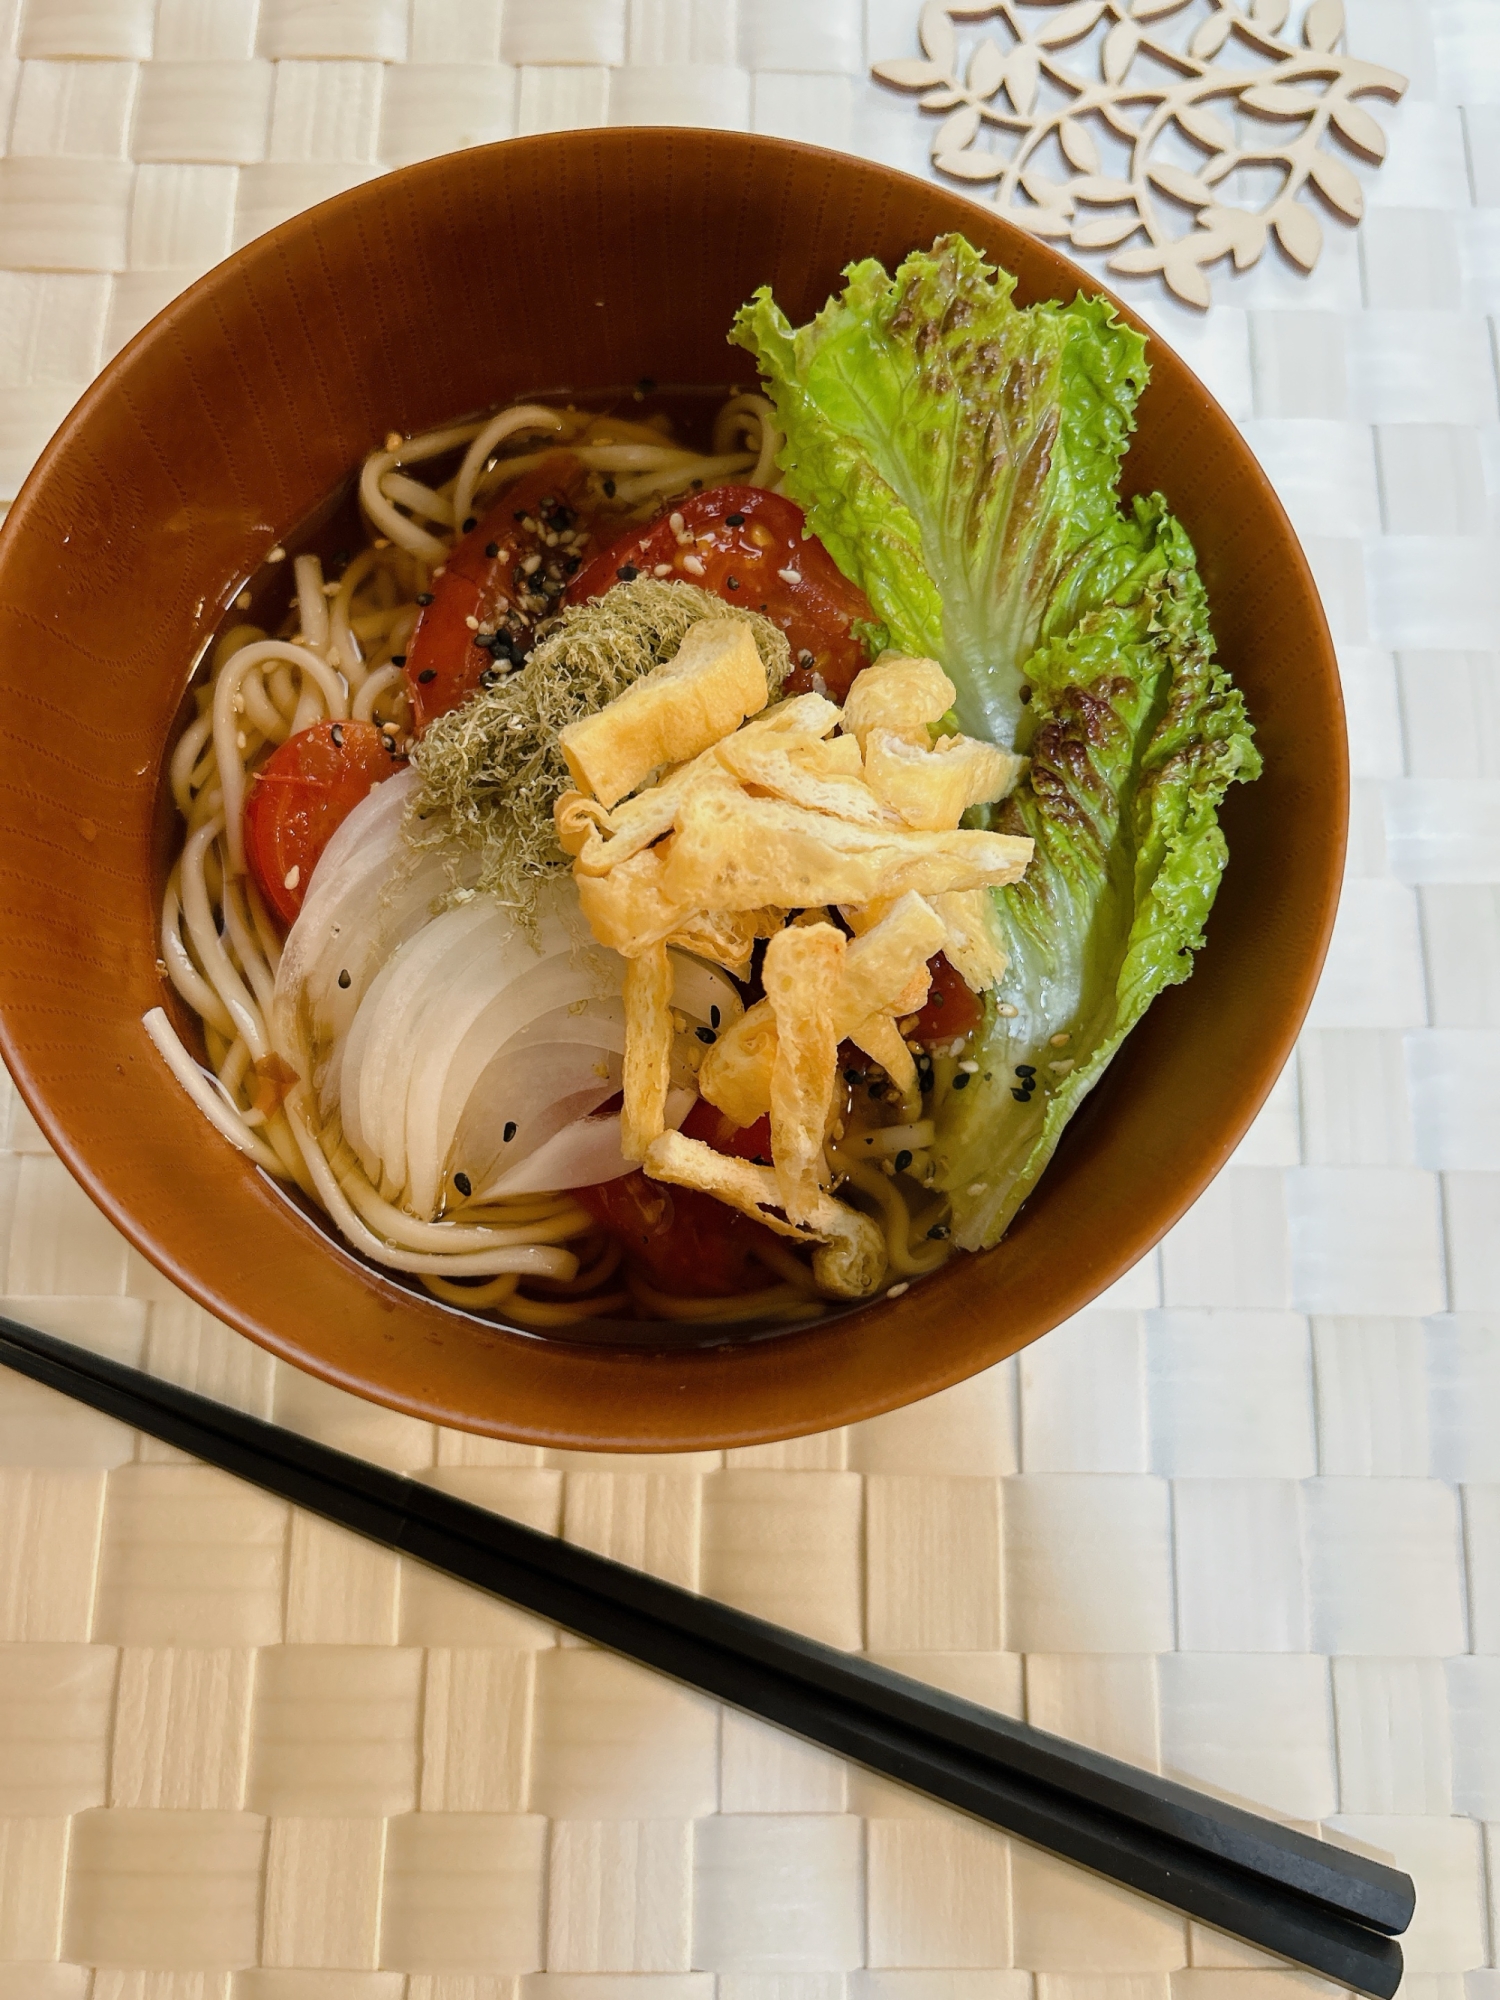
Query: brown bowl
575	260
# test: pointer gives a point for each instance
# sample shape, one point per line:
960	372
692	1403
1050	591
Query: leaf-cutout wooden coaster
1149	109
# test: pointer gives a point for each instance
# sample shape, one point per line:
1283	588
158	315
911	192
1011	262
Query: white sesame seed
969	1068
790	575
895	1291
693	565
1062	1068
887	1167
1006	1011
242	740
393	440
381	542
291	878
472	622
662	569
1059	1041
242	602
531	565
956	1048
975	1187
278	554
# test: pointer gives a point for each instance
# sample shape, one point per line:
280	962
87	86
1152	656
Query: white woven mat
1241	1520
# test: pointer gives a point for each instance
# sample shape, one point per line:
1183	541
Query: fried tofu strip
629	909
826	777
899	694
739	853
852	1258
933	786
727	937
714	680
648	1050
971	946
803	972
878	970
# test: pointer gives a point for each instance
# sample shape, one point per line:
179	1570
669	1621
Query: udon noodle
540	1258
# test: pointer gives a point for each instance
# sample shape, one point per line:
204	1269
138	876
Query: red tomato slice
951	1008
751	548
299	799
680	1240
484	579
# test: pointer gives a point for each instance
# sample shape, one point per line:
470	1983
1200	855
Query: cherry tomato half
951	1009
485	579
751	548
299	799
681	1240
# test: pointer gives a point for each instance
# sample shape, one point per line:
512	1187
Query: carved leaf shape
1139	263
1337	184
1022	68
1152	10
938	36
957	132
1041	221
1278	100
1106	232
909	73
1245	232
941	100
1078	146
1118	120
1299	233
1209	37
1269	14
1098	188
1324	24
1048	192
1120	45
1206	126
970	166
1186	277
1213	171
1356	125
1180	185
986	68
1069	24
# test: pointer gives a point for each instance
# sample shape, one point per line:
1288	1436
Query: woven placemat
1240	1520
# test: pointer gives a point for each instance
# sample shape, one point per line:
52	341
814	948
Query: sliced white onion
529	1093
582	1154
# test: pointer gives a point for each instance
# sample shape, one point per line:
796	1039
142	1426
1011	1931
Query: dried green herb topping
490	772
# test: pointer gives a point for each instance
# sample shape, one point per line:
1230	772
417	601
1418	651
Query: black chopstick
1328	1909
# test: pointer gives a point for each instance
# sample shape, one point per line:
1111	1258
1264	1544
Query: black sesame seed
1025	1069
472	522
427	674
804	658
1025	694
734	520
464	1185
938	1232
1021	1096
627	572
398	659
903	1160
519	514
492	549
934	999
731	583
337	734
877	1090
854	1076
706	1036
424	597
961	1081
609	489
488	677
714	1017
510	1131
344	981
571	564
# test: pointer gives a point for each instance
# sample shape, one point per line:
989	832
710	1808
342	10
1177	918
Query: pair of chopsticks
1330	1910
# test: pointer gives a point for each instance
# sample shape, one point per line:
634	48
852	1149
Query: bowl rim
693	1433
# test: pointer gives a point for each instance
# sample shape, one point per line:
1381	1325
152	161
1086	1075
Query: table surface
1239	1521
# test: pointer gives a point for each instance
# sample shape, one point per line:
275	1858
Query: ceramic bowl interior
566	262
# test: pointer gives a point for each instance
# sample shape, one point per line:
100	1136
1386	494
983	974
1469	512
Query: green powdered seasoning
490	772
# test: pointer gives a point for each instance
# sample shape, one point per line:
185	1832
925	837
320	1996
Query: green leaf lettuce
959	457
